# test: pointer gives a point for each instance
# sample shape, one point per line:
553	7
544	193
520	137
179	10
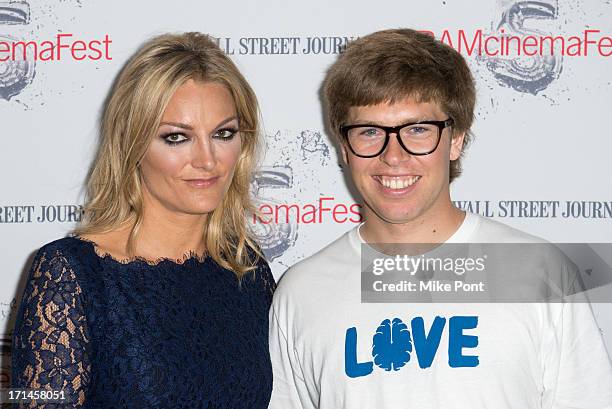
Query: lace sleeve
51	341
267	279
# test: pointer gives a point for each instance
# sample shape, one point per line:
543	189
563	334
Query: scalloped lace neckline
190	255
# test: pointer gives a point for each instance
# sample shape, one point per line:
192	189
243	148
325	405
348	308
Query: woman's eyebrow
177	124
190	128
225	121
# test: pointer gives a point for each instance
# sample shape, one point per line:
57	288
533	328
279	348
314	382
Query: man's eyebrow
370	122
363	122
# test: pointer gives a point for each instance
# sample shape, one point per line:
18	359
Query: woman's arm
51	340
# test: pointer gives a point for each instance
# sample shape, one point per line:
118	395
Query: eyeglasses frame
344	130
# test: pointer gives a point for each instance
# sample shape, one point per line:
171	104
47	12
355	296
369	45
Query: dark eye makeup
176	138
226	134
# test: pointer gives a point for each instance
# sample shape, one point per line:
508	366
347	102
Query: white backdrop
541	132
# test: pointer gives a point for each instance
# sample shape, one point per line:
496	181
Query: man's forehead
405	109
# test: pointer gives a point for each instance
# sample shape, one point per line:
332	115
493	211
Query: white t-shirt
512	355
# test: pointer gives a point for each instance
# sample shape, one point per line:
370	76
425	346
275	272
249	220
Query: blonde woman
161	297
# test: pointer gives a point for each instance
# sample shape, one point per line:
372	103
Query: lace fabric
52	337
138	259
113	334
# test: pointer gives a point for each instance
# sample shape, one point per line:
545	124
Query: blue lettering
457	341
426	346
392	344
353	368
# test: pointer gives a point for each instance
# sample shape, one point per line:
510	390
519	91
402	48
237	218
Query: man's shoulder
331	259
493	231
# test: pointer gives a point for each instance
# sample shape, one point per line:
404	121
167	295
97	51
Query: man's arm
289	389
578	374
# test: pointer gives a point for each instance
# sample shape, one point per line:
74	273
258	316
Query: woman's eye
225	134
174	138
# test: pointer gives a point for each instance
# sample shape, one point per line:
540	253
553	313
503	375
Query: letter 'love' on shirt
393	345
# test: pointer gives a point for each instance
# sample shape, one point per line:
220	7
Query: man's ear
456	145
345	155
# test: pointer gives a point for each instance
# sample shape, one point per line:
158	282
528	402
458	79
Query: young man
401	104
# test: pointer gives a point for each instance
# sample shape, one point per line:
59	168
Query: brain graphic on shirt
391	345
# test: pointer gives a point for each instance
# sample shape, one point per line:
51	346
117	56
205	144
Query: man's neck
428	229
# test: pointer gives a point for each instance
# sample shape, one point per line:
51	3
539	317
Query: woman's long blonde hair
130	120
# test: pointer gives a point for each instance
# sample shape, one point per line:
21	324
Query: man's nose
394	153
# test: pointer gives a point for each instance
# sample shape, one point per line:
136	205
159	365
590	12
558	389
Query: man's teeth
398	182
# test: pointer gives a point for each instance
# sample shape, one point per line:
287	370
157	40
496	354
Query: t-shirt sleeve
578	372
51	340
288	388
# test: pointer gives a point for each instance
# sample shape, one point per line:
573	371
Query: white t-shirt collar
462	235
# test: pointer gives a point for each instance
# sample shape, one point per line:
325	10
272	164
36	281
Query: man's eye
226	134
174	138
371	132
418	129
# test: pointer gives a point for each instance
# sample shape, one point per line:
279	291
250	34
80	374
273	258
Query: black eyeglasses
416	138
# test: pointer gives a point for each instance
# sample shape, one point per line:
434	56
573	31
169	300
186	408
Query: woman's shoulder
257	259
70	251
69	246
261	271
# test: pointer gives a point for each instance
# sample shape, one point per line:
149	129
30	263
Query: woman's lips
202	183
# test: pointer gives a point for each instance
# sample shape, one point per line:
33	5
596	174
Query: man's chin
400	217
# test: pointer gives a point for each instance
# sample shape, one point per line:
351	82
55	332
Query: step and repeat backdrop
540	159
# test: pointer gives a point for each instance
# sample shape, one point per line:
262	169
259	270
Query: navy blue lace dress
139	335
